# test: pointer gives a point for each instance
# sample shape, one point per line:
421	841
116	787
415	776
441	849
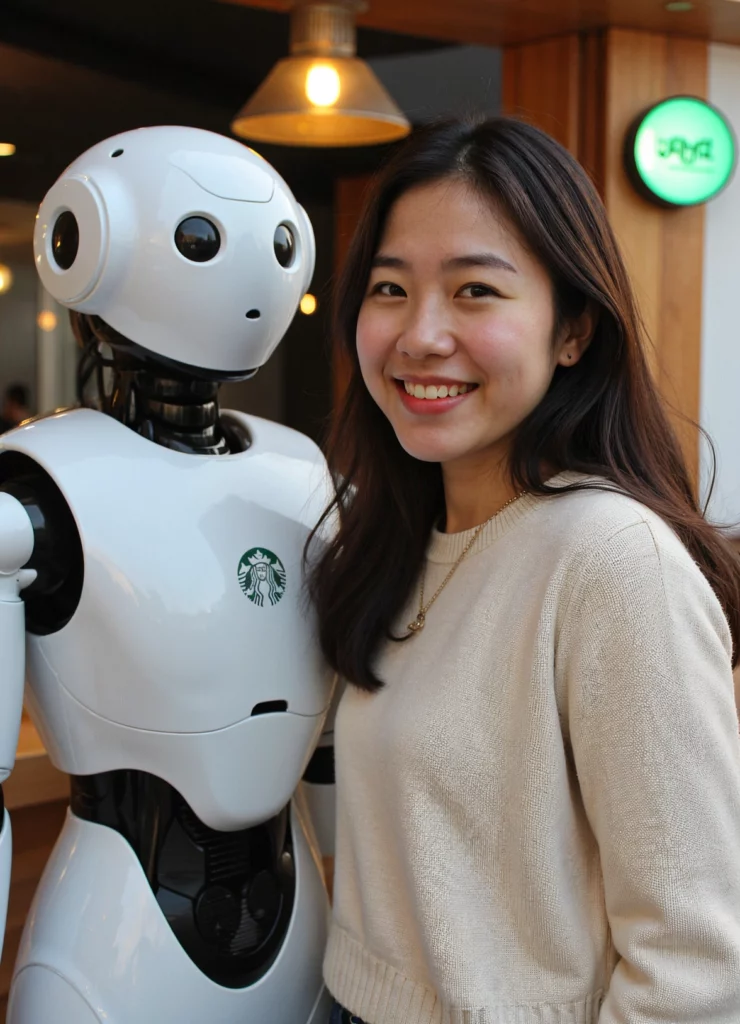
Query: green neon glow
684	151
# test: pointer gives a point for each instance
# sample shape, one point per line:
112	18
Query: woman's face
455	334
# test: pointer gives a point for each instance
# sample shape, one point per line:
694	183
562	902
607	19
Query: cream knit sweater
539	816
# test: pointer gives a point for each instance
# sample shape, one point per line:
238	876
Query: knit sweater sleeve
644	653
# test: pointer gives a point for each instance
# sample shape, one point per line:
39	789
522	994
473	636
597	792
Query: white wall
720	366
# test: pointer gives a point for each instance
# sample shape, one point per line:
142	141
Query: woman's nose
426	333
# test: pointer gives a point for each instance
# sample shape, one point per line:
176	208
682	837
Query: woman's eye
388	288
477	291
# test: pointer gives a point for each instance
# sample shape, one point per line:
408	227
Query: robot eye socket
284	245
197	239
65	240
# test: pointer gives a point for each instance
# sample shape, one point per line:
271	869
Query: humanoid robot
150	551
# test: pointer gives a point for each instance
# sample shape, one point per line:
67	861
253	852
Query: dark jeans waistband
341	1016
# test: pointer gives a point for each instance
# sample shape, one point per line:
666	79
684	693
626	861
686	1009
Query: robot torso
191	652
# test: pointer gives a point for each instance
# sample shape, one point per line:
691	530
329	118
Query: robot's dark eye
284	245
197	239
65	240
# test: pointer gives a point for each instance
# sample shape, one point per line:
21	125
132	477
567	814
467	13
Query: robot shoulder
268	436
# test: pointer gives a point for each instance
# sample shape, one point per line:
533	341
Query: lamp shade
321	101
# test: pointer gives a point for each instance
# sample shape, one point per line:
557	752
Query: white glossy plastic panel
16	546
12	644
167	656
96	925
129	194
232	778
6	860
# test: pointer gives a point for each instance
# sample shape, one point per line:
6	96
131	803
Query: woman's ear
576	335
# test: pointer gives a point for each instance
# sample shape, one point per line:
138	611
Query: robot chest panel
192	609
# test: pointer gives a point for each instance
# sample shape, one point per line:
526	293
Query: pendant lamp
322	94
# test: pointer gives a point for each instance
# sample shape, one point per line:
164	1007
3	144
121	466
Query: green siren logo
262	576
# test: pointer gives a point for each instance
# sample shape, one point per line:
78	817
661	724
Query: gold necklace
418	624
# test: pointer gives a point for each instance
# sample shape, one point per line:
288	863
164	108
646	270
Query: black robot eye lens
284	245
65	240
197	239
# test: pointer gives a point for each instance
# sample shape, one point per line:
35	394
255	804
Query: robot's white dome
185	242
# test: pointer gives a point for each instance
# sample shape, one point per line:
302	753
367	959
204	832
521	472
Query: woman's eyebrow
478	259
384	260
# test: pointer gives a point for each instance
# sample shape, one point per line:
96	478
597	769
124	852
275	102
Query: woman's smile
433	396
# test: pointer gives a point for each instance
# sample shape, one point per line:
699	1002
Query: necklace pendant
418	624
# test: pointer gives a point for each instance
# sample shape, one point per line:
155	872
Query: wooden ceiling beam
514	22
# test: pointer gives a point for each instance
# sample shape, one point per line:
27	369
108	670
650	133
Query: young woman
537	751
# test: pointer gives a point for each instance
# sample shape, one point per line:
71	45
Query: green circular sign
680	152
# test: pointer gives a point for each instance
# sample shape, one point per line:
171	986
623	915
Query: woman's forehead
441	221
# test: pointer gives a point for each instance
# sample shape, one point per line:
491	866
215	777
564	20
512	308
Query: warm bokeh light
7	149
46	320
323	85
308	304
6	279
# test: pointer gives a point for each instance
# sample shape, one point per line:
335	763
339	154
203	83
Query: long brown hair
602	416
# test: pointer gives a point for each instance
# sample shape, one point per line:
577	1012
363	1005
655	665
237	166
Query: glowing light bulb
7	149
6	279
46	320
323	85
308	304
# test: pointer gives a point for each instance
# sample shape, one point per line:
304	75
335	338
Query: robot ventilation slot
269	707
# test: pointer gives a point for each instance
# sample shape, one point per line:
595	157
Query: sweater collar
447	547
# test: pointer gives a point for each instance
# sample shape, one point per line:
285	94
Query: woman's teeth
440	391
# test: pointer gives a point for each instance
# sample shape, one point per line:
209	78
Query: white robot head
186	243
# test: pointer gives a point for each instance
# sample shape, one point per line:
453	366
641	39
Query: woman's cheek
498	354
370	364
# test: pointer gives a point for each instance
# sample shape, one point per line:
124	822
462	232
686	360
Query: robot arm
318	784
16	546
319	790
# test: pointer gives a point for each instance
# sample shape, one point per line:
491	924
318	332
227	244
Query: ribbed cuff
379	994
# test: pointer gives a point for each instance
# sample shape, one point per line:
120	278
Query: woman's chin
428	452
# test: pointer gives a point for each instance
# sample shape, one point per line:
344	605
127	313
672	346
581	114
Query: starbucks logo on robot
262	576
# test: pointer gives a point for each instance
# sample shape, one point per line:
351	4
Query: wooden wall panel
620	73
635	78
680	328
663	249
34	779
592	95
541	84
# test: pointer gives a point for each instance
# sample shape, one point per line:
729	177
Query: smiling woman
539	795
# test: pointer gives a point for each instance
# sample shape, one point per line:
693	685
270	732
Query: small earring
570	356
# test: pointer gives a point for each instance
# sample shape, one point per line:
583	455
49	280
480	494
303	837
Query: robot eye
65	240
197	239
284	245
